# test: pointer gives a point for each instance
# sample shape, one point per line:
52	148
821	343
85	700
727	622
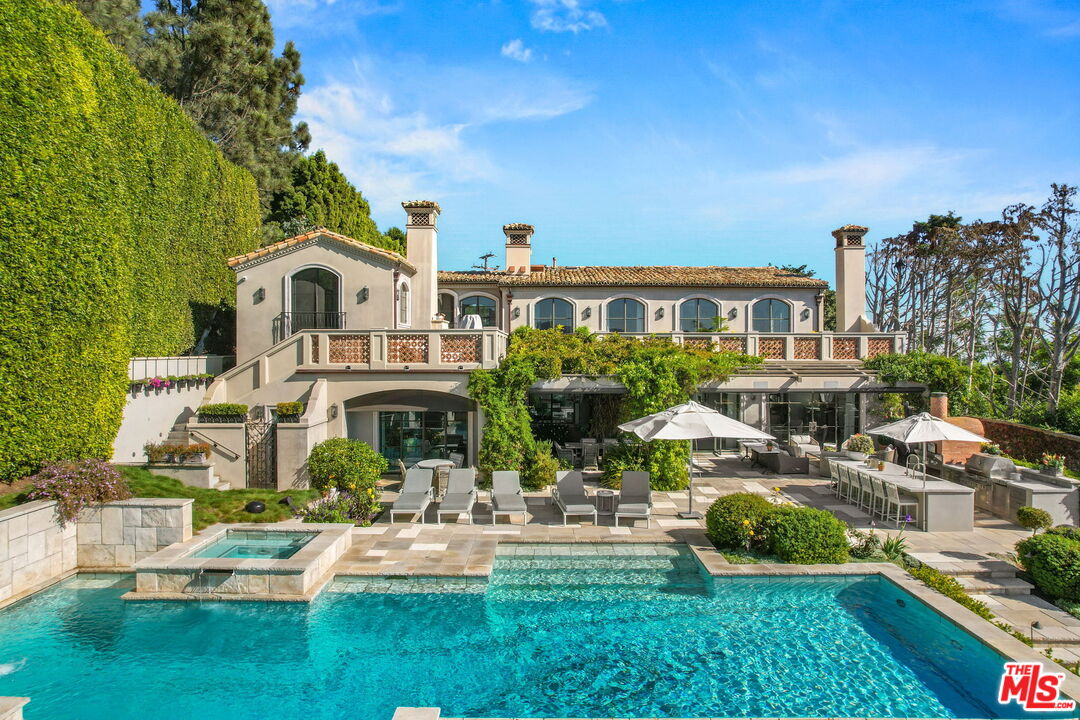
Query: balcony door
316	300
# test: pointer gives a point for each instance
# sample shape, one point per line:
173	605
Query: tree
395	238
1061	286
216	58
118	19
321	195
828	302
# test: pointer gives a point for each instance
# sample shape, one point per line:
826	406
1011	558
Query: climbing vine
656	372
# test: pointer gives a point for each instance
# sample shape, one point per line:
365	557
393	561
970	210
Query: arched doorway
315	300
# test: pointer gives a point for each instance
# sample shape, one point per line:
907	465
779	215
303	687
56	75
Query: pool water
256	544
554	634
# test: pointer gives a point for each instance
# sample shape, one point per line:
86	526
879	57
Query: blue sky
647	132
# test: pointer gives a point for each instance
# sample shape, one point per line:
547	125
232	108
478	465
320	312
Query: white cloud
565	16
516	50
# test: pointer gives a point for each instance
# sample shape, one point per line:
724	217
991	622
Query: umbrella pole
690	513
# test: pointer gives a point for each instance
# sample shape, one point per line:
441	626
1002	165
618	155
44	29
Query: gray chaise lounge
416	494
635	497
570	497
460	494
506	495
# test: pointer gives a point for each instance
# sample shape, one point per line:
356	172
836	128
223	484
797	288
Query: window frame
716	318
626	298
567	328
771	319
495	308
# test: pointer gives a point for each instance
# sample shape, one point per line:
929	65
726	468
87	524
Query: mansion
379	346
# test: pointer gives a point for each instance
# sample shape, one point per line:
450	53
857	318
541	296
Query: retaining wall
119	534
34	549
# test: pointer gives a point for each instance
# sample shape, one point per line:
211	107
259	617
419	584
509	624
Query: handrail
215	444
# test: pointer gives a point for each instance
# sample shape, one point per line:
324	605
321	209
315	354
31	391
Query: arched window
625	315
772	316
699	315
446	308
314	303
554	312
404	298
480	305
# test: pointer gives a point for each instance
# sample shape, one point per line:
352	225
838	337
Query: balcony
408	350
289	323
825	346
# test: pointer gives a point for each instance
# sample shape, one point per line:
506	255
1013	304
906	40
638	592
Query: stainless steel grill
990	467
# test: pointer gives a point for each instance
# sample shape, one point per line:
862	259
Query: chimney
850	278
422	250
518	247
939	405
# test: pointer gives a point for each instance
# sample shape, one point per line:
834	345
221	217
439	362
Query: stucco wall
150	415
34	549
255	319
119	534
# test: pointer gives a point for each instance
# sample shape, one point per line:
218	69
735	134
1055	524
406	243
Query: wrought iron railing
289	323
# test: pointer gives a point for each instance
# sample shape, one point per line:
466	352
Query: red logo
1029	684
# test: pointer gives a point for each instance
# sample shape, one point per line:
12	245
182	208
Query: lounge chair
506	495
635	497
570	496
460	494
416	494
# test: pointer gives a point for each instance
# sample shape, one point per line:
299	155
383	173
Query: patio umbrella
925	428
691	421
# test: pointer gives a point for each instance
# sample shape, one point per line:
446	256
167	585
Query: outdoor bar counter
943	505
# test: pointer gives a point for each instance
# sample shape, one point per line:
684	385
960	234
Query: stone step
995	586
975	568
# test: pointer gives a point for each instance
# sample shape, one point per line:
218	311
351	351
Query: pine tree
119	20
216	58
319	194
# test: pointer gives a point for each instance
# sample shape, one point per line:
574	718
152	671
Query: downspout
394	298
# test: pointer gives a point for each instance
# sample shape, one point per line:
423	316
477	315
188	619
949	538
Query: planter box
225	419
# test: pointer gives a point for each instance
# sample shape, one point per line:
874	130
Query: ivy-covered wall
116	216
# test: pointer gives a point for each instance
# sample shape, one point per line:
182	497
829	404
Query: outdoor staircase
986	576
179	435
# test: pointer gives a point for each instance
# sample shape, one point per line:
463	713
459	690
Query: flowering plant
77	485
991	448
1053	461
860	443
359	508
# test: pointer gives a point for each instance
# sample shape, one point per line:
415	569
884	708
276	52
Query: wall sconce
260	295
805	314
659	313
733	313
516	313
333	411
586	313
362	296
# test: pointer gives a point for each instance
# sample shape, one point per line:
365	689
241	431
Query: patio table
943	506
441	466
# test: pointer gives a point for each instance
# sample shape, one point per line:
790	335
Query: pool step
996	585
583	563
975	568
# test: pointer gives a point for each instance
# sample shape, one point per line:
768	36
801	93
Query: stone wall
1029	443
34	549
119	534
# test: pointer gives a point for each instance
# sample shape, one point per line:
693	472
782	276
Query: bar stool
878	497
899	504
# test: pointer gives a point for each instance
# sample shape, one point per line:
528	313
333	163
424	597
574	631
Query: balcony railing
289	323
794	346
430	350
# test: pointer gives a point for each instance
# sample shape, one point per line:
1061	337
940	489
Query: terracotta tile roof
387	255
641	276
412	204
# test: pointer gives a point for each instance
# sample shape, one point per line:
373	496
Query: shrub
863	544
734	521
174	452
807	535
859	443
624	456
949	587
540	467
346	464
1054	563
1033	519
223	412
1068	531
116	213
77	485
360	508
290	411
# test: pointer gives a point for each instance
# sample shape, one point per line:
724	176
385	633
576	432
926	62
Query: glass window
314	300
772	316
625	315
415	436
403	304
699	315
482	306
554	312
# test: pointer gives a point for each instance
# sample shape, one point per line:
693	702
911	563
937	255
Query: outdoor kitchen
1001	487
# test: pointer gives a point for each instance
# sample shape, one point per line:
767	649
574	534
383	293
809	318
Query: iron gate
261	454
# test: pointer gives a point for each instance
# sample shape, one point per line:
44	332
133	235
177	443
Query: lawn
214	506
211	506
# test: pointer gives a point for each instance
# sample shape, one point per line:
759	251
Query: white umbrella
691	421
925	428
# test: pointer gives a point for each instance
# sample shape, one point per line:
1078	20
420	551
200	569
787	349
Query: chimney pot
939	405
519	246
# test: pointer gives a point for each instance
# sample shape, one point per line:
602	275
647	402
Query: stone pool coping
11	707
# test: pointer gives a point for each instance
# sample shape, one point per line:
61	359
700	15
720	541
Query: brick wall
119	534
34	549
1029	443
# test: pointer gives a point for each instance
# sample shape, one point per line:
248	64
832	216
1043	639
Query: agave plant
894	546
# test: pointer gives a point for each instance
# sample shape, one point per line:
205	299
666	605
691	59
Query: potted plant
881	465
991	448
769	445
223	413
859	446
1053	464
195	454
290	412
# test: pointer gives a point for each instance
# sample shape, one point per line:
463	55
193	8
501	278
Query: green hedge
806	535
1054	563
116	215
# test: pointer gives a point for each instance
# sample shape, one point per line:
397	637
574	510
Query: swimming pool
553	634
256	545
